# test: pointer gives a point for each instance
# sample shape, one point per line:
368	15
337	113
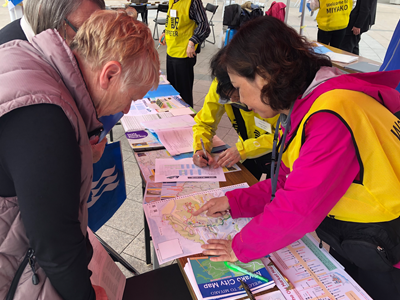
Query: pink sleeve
326	167
250	202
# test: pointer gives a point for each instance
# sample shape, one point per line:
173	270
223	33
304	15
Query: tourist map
177	233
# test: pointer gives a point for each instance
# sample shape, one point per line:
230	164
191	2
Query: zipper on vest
14	284
32	261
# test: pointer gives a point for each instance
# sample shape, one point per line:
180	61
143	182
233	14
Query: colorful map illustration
176	232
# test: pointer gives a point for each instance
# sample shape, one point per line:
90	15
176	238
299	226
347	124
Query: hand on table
200	161
356	31
228	158
191	50
97	148
100	293
221	248
215	207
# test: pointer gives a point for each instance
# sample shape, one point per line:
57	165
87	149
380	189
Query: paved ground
124	232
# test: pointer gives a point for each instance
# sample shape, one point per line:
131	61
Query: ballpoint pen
204	150
159	44
246	288
236	268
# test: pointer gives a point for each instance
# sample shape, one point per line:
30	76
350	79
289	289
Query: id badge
263	125
172	13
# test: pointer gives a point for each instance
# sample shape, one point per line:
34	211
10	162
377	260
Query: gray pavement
124	231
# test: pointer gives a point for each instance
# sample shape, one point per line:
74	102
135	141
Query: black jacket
362	16
12	31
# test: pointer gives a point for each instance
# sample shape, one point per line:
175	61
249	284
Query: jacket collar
56	52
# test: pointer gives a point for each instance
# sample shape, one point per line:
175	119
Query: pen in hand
204	150
159	44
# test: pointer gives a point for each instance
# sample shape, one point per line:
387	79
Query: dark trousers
350	43
180	73
258	166
333	38
380	286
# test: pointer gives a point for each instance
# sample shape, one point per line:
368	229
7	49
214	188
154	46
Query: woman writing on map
336	168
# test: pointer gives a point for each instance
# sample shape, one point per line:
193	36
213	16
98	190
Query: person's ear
110	73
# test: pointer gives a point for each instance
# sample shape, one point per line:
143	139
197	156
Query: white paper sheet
105	272
182	111
140	107
170	170
177	140
132	123
172	122
314	273
343	58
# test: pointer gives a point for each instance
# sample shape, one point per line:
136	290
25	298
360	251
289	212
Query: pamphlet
214	280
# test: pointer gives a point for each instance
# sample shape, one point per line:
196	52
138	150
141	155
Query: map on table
156	191
177	233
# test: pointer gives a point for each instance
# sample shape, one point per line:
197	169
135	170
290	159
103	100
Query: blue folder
162	91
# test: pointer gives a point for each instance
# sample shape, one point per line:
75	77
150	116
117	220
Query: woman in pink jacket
337	165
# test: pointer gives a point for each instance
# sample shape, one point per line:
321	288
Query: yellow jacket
259	141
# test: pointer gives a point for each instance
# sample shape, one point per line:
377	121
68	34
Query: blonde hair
115	36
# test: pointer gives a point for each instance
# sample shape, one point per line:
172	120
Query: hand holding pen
202	158
161	41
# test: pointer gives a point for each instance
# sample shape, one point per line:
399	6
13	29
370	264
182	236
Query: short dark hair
224	86
268	47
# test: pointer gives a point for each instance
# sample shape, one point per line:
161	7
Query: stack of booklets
213	280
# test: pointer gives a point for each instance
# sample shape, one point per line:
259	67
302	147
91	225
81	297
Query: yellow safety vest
179	29
334	14
376	196
259	141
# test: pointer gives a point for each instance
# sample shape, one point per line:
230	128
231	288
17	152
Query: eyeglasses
70	25
235	104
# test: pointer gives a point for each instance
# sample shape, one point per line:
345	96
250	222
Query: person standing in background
186	28
332	18
362	18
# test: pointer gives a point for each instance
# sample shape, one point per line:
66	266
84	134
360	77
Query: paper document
140	107
213	280
171	122
183	111
177	140
276	295
142	140
105	272
343	58
169	170
314	273
147	162
163	79
177	233
157	191
132	123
